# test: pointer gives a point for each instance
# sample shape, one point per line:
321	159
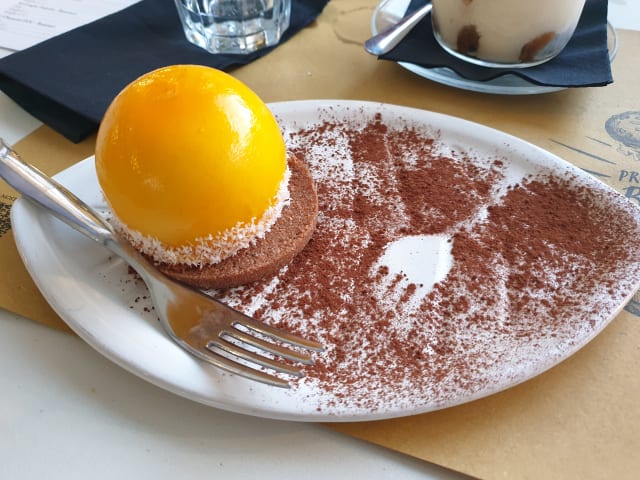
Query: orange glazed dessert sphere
192	164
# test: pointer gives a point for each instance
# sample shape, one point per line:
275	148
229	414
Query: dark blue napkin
67	82
583	63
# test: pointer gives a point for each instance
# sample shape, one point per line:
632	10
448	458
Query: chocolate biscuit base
286	238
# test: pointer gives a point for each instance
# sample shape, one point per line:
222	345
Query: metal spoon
386	40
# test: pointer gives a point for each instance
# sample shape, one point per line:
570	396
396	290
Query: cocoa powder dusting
532	260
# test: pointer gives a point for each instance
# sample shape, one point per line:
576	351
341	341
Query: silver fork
205	327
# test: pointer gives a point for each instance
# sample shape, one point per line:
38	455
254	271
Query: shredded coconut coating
211	249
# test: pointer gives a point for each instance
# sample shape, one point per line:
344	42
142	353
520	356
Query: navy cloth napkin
583	63
68	82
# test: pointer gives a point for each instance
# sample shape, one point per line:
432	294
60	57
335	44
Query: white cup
505	33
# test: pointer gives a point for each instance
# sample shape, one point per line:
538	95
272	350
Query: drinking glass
234	26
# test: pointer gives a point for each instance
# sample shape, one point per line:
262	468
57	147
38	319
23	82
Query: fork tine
269	347
277	334
236	368
232	349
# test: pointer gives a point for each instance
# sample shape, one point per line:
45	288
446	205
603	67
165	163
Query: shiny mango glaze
185	152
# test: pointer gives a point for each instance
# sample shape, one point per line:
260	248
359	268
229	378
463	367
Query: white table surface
67	412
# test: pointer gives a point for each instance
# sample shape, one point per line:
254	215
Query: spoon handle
386	40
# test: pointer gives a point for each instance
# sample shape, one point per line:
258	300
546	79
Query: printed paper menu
24	23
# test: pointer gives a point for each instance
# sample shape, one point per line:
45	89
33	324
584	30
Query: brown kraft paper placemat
578	420
51	153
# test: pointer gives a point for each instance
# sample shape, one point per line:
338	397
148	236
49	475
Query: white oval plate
105	306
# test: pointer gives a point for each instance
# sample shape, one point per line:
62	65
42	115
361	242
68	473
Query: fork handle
43	190
56	199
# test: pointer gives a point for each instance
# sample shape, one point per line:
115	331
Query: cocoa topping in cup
468	40
531	49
